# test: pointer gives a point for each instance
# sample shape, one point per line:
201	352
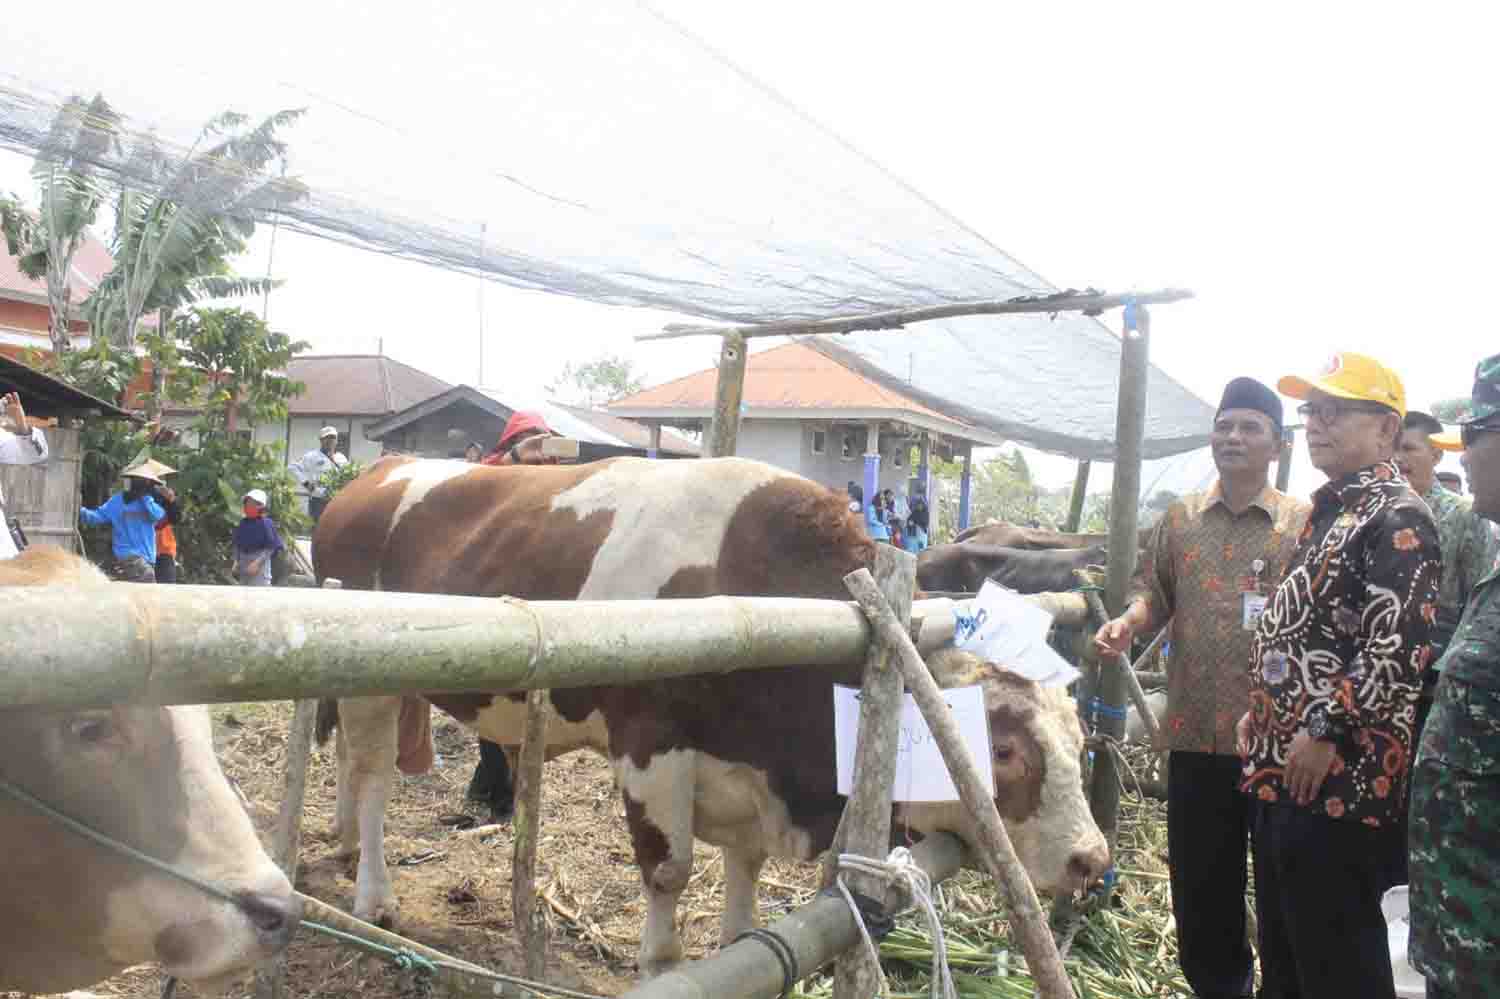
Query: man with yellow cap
1335	670
1455	798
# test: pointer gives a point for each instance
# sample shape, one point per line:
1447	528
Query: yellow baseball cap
1348	375
1450	440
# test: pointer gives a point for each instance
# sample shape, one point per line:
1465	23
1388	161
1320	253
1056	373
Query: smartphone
559	447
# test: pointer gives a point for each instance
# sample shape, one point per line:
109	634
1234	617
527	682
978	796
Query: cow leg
345	824
659	813
741	877
368	725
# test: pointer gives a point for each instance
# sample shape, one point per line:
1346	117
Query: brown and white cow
75	913
743	760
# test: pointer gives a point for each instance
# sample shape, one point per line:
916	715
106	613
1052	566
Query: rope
1101	707
900	866
777	945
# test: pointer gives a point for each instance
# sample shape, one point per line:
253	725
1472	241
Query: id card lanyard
1253	598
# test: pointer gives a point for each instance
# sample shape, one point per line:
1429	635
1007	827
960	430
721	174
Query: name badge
1252	606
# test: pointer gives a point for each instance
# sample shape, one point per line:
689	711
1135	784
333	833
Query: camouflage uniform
1455	806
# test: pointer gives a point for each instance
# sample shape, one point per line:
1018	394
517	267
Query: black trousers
492	782
315	505
1318	883
166	569
1208	827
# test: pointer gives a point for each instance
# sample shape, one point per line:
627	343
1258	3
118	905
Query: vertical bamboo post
865	828
1075	500
286	840
724	431
995	851
1124	539
530	922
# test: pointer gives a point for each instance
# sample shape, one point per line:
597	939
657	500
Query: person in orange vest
166	535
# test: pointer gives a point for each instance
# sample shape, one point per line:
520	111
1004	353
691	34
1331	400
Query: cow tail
328	718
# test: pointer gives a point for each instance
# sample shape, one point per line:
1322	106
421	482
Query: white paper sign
921	774
1003	628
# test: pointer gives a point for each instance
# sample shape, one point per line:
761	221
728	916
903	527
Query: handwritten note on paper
1003	628
921	774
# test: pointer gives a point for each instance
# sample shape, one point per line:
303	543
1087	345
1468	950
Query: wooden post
1124	539
965	486
1123	672
995	851
865	828
1284	459
1075	501
531	923
725	428
654	451
286	840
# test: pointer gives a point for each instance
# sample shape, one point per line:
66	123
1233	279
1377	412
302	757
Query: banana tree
71	191
172	244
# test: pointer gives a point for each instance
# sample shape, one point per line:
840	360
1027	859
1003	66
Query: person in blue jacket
131	516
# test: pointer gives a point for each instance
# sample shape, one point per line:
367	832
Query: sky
1321	175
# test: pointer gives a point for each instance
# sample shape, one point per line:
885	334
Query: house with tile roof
23	301
807	412
347	391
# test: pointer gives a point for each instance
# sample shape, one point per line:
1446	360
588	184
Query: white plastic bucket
1394	906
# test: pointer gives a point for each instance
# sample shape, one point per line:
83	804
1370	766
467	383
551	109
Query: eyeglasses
1469	432
1329	411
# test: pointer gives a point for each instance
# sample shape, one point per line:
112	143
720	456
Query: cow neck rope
405	959
900	866
541	638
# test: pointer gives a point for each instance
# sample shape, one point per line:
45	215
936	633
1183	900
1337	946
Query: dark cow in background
75	913
742	760
963	567
1003	535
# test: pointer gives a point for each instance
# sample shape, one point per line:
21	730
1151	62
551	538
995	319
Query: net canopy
588	149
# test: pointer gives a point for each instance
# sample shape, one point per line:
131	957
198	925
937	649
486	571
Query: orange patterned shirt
1199	563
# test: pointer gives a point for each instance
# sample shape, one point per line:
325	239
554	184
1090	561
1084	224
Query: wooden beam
527	917
729	394
1124	540
1075	500
1089	303
865	828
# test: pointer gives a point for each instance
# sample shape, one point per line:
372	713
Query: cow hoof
662	962
383	915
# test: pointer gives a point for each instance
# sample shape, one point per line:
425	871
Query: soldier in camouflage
1455	800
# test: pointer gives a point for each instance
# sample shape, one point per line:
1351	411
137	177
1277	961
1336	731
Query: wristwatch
1324	728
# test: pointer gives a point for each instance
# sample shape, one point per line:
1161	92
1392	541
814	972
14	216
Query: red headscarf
520	422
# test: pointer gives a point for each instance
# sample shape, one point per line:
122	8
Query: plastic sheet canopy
589	149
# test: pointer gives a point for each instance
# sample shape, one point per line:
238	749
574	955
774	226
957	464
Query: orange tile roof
791	376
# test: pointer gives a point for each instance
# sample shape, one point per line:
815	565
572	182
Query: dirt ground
454	891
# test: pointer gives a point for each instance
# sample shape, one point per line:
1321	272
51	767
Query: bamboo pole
1076	498
199	644
530	921
208	644
1124	671
723	432
865	827
1089	303
1124	539
816	933
996	851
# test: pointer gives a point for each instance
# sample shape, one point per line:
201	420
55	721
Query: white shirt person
20	444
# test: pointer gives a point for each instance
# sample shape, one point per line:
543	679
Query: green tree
70	193
1451	410
594	383
234	366
172	247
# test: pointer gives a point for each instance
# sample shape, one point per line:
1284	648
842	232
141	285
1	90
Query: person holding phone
20	444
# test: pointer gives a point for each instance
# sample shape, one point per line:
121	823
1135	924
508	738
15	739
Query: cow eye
1004	753
93	730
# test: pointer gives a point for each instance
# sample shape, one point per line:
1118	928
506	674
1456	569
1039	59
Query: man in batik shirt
1455	799
1335	671
1209	566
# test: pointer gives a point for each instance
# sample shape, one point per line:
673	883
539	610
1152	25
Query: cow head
1036	741
76	912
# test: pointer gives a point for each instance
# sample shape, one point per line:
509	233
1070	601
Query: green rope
1087	588
404	959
